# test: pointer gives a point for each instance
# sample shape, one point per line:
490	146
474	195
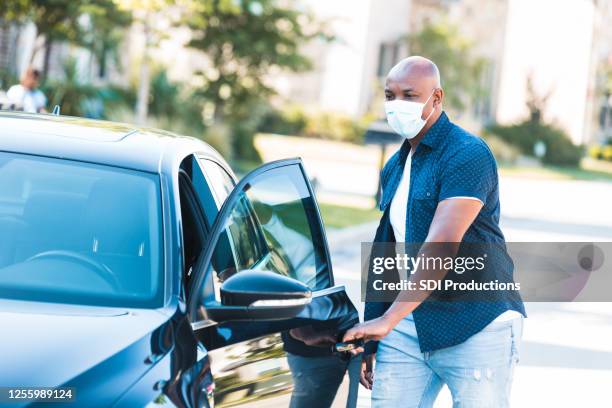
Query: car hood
49	345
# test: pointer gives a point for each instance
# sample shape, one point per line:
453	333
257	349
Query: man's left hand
375	329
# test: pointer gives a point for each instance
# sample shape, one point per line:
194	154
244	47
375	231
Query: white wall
25	47
389	21
343	64
344	77
552	40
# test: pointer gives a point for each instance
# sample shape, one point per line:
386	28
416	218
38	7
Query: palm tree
71	94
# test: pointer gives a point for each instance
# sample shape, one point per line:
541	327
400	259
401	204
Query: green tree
55	20
461	71
145	12
70	93
88	23
536	103
172	104
559	149
14	10
245	41
104	31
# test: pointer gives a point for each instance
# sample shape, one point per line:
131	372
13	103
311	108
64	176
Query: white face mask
405	117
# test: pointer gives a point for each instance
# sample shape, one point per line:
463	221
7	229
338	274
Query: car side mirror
260	295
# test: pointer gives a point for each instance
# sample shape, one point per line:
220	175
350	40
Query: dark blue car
135	271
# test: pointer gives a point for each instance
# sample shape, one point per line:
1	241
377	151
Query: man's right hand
366	376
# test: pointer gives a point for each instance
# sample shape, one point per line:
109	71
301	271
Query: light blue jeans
478	372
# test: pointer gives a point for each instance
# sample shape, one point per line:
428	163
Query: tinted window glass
203	191
72	232
275	226
222	183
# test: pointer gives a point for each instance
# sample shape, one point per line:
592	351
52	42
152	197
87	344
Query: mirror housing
260	295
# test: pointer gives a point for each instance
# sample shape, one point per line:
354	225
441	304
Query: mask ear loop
432	108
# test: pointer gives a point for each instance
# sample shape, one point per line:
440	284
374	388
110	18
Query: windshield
72	232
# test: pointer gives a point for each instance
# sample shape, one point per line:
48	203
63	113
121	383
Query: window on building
388	54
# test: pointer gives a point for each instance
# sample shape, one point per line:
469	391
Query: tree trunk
102	62
35	49
142	101
47	57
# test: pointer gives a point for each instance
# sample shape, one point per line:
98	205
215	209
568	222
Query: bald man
440	190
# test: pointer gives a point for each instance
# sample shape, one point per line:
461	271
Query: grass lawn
336	216
591	170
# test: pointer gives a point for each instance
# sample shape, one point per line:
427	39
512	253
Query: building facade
559	45
348	71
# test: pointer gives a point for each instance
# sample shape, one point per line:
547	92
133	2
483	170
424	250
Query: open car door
262	300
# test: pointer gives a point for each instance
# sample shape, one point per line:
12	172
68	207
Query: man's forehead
408	82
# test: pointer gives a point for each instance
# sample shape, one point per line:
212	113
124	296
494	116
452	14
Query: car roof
98	141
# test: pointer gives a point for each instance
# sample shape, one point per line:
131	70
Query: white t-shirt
31	100
397	217
399	203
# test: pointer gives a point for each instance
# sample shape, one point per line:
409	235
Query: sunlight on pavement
566	346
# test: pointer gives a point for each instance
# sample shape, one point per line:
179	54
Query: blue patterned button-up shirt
448	162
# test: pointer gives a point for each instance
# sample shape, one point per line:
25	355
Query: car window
205	196
220	181
73	232
274	226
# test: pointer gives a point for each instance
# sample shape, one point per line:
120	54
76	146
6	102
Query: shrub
75	97
559	148
334	126
7	79
219	137
294	121
560	151
289	121
118	102
503	151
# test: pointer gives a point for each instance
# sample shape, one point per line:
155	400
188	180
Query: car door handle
343	347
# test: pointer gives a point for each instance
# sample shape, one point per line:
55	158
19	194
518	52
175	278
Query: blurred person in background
26	95
440	187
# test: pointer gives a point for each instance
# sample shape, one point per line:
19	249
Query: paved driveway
566	359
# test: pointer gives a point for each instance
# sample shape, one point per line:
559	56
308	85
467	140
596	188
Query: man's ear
438	96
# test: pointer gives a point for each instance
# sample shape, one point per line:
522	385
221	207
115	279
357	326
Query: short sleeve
471	172
385	175
14	94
